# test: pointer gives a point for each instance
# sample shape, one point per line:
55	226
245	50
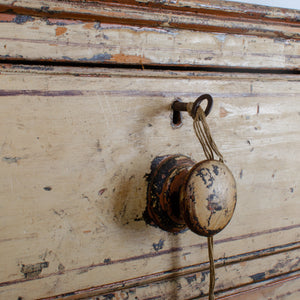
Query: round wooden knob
208	197
183	194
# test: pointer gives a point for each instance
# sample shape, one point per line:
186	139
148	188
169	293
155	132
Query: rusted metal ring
178	106
199	101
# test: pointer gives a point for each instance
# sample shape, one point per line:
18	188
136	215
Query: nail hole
48	188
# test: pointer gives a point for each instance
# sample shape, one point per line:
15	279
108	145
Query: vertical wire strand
210	243
203	134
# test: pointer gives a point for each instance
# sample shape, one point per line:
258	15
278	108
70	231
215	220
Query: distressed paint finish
204	15
167	176
285	288
182	193
209	197
34	38
76	144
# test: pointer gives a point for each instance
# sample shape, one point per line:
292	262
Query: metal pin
178	106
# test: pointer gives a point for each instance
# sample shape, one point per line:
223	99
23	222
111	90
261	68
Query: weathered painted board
201	15
75	147
33	38
285	289
192	287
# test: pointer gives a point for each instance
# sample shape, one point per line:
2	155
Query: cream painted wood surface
48	39
285	288
199	15
75	147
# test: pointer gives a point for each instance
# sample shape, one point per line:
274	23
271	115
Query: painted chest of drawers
85	95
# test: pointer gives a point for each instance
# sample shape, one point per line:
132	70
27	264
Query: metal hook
178	106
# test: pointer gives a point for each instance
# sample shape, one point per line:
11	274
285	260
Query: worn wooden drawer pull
183	194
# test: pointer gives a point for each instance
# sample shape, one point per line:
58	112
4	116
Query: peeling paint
88	25
101	192
48	188
159	245
98	146
223	112
107	261
67	57
258	276
221	37
20	19
98	58
190	279
33	271
133	59
61	268
11	160
241	173
6	18
62	22
60	30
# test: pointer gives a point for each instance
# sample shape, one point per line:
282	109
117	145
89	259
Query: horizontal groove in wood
195	268
258	288
34	64
95	70
114	289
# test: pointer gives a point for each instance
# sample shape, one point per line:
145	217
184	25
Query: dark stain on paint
20	19
48	188
206	177
33	271
61	268
107	261
159	245
108	297
215	169
101	192
11	160
98	146
241	174
258	276
98	57
190	279
5	93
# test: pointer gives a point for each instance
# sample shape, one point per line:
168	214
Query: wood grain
195	285
28	38
286	287
75	146
212	16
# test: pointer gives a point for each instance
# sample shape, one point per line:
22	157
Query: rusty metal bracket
178	106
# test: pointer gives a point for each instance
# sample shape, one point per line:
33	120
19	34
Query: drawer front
156	33
76	147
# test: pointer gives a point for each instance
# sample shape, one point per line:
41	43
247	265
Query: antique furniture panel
76	148
86	89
